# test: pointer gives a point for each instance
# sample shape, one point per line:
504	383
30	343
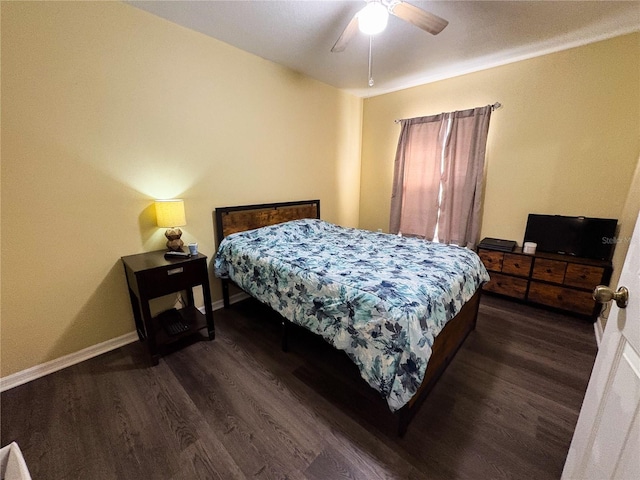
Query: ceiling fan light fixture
373	18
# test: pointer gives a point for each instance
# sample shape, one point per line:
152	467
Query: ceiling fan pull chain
371	83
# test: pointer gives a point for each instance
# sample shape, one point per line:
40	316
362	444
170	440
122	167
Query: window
438	175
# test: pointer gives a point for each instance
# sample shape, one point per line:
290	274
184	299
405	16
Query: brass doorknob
603	294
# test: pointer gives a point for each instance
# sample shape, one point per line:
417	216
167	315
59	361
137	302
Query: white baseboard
238	297
37	371
24	376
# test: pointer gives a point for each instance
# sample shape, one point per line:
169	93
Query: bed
398	307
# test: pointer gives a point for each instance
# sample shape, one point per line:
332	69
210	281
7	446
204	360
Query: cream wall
106	107
566	140
627	222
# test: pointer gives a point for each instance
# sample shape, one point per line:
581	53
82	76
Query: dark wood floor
238	407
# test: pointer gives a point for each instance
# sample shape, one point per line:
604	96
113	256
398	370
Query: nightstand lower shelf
190	317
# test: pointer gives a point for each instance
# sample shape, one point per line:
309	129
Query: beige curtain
464	155
416	183
438	176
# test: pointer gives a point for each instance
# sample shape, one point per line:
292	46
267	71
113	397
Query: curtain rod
494	107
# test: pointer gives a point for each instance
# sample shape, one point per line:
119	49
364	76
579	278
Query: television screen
580	236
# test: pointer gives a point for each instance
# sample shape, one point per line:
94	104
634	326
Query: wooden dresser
553	280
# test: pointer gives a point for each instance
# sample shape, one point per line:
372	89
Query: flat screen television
579	236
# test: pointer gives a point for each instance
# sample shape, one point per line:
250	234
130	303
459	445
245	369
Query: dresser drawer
505	285
583	276
549	270
492	260
519	265
561	297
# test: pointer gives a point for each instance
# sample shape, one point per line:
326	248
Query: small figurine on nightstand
174	242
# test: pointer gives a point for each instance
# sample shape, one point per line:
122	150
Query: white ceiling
481	34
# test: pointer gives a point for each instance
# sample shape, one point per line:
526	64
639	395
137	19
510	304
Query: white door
606	442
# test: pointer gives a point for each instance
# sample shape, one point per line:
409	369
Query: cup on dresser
193	248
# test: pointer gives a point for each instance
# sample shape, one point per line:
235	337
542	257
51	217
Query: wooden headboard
247	217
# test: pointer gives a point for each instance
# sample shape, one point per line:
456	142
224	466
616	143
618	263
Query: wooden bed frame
247	217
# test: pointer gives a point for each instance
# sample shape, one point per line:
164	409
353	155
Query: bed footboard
445	347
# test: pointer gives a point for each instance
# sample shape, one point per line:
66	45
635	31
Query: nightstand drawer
171	278
583	276
519	265
492	260
549	270
560	297
506	285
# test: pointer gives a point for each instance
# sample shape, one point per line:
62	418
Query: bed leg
402	428
285	335
404	416
225	293
476	310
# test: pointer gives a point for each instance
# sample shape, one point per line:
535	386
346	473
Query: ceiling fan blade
420	18
347	35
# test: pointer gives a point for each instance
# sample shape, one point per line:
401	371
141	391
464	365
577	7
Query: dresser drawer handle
548	270
175	270
517	265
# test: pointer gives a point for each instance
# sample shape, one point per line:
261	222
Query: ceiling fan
373	17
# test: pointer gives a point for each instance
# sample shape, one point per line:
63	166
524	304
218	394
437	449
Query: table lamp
170	214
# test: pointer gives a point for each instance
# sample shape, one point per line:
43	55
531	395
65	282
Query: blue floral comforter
381	298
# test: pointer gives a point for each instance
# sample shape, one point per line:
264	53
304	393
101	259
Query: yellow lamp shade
170	213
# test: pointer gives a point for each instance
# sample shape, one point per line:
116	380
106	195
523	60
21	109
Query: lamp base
173	239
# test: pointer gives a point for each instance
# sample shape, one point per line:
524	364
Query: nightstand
151	275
